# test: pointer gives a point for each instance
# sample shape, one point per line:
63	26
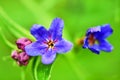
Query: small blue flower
48	42
95	39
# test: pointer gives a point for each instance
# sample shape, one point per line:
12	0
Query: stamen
50	44
91	39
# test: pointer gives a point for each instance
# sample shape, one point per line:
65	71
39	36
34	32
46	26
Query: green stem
75	65
22	74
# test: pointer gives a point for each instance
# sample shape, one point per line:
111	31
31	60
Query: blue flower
48	42
95	39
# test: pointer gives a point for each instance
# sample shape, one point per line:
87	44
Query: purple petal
39	32
95	48
106	31
100	32
85	45
35	48
48	57
63	46
93	30
56	28
105	46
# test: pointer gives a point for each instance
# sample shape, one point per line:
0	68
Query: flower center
50	44
91	39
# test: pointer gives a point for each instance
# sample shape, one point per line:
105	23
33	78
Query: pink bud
15	55
23	59
22	42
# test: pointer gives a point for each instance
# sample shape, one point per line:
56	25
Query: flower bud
22	42
23	59
80	41
15	55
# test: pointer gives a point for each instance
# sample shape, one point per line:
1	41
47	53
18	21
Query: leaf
43	71
40	70
8	43
33	68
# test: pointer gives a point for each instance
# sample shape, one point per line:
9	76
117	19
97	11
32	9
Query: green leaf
40	70
43	71
7	42
33	68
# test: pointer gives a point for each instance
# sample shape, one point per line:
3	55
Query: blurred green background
17	16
